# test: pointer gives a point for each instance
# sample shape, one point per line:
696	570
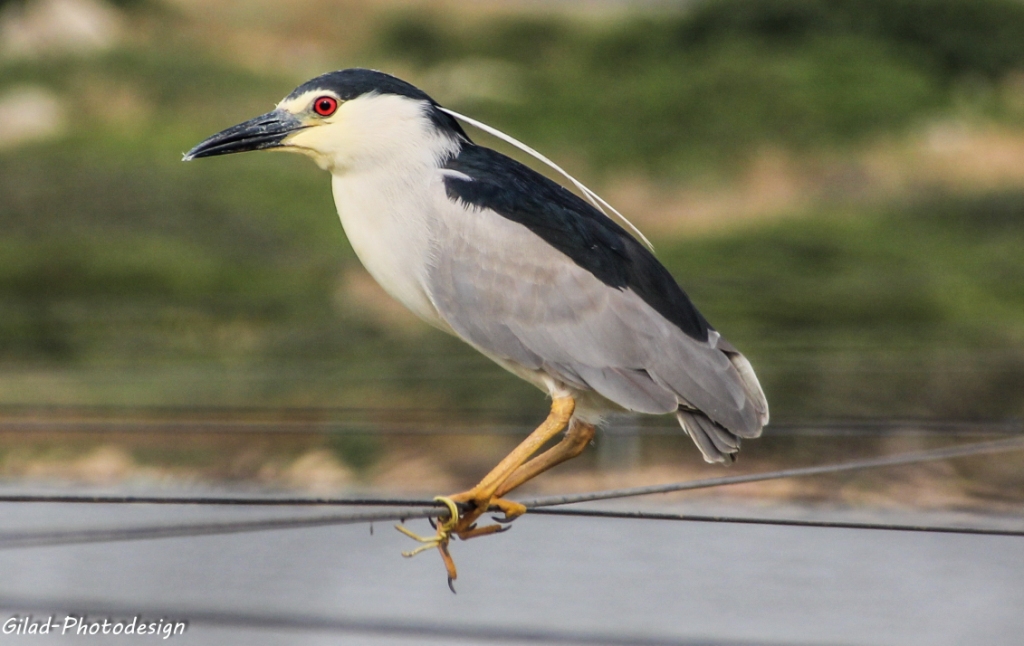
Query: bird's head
346	120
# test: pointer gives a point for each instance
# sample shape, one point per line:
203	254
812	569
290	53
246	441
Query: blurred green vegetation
114	254
695	92
916	308
359	451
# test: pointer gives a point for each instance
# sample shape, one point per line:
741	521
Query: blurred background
838	184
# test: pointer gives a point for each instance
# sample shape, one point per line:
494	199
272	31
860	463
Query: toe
512	510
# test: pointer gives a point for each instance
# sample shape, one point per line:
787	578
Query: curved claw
503	521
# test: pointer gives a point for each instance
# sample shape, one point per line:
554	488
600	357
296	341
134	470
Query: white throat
384	154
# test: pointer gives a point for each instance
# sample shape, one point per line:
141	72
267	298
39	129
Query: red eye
325	106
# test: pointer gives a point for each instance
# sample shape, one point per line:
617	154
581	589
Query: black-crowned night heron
526	272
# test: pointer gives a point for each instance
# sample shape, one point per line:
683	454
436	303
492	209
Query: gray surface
697	583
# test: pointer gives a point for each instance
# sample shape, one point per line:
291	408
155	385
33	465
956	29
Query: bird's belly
391	240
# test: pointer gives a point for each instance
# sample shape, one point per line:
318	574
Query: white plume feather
591	196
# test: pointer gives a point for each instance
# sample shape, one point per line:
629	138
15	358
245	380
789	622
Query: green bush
696	91
952	37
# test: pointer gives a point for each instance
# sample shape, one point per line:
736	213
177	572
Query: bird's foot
463	526
439	540
466	527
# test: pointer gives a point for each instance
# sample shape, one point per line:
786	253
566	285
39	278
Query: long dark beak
265	131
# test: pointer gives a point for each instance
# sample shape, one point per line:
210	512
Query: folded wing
530	274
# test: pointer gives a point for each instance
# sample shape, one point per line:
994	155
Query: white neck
386	187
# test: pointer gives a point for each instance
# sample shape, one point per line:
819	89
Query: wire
644	515
430	509
103	420
18	540
892	428
964	450
980	448
14	540
418	631
243	427
260	501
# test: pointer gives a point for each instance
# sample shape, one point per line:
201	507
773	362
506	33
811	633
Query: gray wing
515	297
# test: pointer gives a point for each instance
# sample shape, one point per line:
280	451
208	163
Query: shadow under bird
539	280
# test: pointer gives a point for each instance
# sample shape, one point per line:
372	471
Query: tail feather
716	443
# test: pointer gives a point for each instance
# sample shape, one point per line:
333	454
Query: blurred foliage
117	235
945	271
918	308
695	91
359	451
952	37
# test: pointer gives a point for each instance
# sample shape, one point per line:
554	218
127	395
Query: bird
538	279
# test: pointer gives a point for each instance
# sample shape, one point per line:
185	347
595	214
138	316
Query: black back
574	227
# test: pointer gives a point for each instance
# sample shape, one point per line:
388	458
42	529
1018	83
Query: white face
369	131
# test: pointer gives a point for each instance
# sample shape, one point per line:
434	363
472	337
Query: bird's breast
388	221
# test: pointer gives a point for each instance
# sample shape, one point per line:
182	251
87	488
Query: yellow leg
576	439
515	469
481	496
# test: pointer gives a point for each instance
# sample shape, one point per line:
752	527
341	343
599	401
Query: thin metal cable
38	538
963	450
17	540
981	448
260	501
214	423
262	620
742	520
254	427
